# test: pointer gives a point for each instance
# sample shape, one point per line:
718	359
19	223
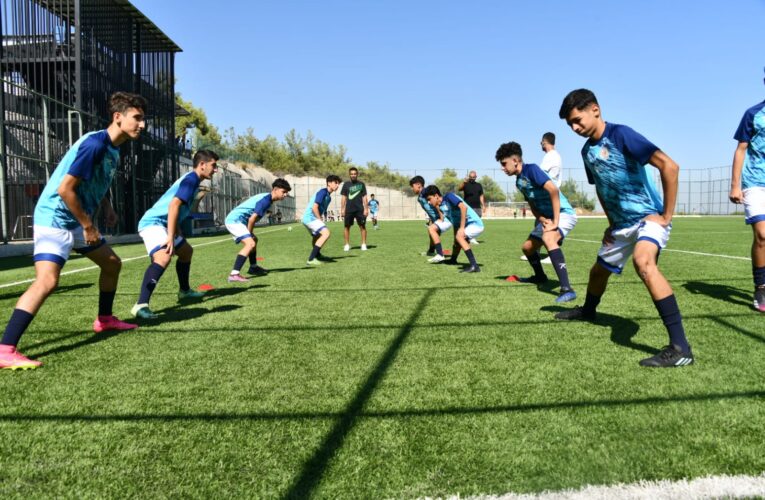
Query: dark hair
352	169
507	150
417	179
431	191
204	155
549	137
334	178
281	183
372	195
576	99
119	102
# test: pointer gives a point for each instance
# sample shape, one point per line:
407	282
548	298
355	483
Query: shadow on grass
622	329
719	291
59	289
547	287
751	335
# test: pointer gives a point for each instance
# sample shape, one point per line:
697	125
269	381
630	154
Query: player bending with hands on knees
555	217
639	223
240	222
467	224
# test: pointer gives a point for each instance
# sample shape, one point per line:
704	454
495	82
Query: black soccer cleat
471	269
536	280
669	357
576	313
257	271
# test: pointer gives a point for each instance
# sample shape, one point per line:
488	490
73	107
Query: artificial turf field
381	376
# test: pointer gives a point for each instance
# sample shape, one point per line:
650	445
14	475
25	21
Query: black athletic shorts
357	216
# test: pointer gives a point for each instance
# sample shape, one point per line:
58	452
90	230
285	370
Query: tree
448	181
576	196
197	118
492	191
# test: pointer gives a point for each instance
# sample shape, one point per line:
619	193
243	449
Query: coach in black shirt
473	193
353	206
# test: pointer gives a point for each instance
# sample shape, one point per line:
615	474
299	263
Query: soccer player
467	224
63	220
312	217
748	187
240	222
159	227
374	206
555	217
437	224
615	158
353	206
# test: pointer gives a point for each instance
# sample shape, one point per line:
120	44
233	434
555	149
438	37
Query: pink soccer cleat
103	323
11	359
237	278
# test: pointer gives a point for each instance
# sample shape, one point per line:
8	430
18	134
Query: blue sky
424	85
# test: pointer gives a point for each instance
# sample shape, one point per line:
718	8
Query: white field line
704	254
700	488
90	268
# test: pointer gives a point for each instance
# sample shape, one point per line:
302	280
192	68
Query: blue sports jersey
432	214
185	189
257	204
752	130
93	159
530	182
374	205
450	207
616	164
321	197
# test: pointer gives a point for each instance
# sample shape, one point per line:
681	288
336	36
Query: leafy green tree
197	118
576	196
492	191
448	181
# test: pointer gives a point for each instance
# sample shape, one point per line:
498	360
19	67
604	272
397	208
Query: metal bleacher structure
61	59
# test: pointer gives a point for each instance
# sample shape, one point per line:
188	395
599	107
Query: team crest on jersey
603	153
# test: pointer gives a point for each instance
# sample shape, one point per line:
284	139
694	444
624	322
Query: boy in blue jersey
64	220
374	206
555	217
467	224
160	229
437	224
748	187
615	158
240	222
313	217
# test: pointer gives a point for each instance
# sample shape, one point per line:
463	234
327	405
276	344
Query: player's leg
652	238
530	250
185	252
46	280
248	246
431	245
154	239
320	237
111	265
347	223
758	264
552	241
472	231
253	256
362	222
434	232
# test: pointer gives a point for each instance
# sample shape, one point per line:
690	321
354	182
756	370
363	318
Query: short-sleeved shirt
552	164
320	197
432	214
257	204
94	160
473	192
374	206
530	182
185	189
752	130
616	164
355	192
450	207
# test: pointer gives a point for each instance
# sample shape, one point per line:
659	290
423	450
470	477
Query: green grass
381	376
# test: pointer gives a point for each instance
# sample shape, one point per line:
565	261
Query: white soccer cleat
347	248
363	246
436	259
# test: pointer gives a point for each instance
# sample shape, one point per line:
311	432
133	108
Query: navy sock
673	321
183	270
438	249
254	257
16	327
431	248
559	263
238	263
471	257
536	265
314	252
105	302
590	304
150	279
759	276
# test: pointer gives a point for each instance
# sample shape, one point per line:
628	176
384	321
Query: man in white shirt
551	163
